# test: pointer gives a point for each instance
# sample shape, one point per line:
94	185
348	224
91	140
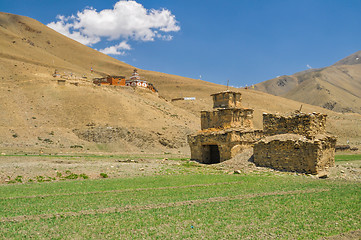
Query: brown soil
29	167
352	235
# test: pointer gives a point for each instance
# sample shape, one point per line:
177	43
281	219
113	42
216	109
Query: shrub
76	146
40	179
19	179
84	176
104	175
72	176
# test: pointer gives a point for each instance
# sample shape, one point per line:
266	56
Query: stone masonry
225	132
227	99
297	123
297	142
227	118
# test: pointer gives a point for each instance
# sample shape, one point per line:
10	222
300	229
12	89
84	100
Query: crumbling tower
228	114
225	131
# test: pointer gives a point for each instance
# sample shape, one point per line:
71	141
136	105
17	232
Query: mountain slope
350	60
337	87
38	114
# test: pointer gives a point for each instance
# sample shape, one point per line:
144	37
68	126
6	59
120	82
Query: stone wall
298	123
292	152
227	118
229	143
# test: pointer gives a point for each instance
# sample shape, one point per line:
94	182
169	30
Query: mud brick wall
305	156
304	124
227	118
227	99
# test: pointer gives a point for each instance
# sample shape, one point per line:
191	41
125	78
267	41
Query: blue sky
243	41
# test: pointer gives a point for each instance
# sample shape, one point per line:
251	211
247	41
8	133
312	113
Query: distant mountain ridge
337	87
353	59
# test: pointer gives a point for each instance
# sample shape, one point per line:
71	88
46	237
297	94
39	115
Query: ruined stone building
225	131
297	142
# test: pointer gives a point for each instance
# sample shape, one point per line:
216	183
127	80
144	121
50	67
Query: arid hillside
38	114
337	87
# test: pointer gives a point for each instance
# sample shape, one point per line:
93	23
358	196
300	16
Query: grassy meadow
347	157
211	206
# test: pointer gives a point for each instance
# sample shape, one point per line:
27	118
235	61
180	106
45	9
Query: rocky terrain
44	168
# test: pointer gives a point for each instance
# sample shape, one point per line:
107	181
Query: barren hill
38	114
337	87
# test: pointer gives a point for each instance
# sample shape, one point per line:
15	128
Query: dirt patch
242	162
31	167
352	235
350	170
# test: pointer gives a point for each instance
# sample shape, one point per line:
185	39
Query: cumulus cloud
116	49
128	20
65	28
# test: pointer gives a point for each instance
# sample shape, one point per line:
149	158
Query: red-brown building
116	80
110	80
134	81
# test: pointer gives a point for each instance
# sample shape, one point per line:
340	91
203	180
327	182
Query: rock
237	172
322	175
141	169
127	160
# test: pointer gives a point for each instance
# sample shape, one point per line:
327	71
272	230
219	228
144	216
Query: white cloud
166	37
116	50
308	66
128	20
65	28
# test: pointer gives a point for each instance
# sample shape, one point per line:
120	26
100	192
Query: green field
210	206
349	157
